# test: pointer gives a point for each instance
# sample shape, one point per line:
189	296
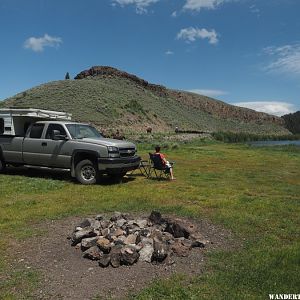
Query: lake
274	143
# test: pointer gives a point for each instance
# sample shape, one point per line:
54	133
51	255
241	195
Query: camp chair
158	168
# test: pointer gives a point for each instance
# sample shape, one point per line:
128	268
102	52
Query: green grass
254	192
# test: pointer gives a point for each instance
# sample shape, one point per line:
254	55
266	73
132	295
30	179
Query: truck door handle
44	144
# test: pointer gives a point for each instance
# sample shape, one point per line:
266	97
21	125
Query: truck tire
2	166
86	172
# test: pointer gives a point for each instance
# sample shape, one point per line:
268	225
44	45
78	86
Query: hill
113	99
292	122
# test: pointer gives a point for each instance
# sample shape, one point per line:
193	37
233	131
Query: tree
67	75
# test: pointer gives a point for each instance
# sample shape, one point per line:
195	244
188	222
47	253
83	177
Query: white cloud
169	52
197	5
174	14
37	44
270	107
208	93
191	34
140	5
284	59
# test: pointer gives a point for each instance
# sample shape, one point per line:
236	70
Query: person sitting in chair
166	163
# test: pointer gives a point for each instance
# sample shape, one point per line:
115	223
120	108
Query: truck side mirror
57	136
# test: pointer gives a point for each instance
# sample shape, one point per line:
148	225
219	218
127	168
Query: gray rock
142	223
105	232
145	232
129	256
99	217
104	261
115	256
177	229
86	223
88	243
118	232
160	250
130	239
146	241
155	217
104	245
86	232
120	222
104	224
92	253
116	216
146	253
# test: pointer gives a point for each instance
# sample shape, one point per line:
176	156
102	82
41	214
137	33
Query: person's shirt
162	157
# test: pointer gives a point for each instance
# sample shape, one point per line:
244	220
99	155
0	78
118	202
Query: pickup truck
68	145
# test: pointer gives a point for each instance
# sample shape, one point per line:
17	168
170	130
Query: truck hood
109	142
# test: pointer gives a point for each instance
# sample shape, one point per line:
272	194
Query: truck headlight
113	152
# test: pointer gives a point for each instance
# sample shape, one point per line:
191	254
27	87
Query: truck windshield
80	131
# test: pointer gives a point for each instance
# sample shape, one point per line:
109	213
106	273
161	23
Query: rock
104	224
146	241
115	256
88	243
119	232
116	216
198	240
86	232
129	256
120	240
120	222
155	217
145	232
104	245
131	239
142	223
156	234
168	237
177	229
96	224
99	217
104	261
86	223
105	232
180	249
160	250
146	253
92	253
132	229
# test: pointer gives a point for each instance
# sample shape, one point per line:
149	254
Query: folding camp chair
157	167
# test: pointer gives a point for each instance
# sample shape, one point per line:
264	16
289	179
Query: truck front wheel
86	172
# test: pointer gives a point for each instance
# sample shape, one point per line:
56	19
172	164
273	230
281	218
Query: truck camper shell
15	121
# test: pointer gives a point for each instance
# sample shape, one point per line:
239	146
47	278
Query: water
274	143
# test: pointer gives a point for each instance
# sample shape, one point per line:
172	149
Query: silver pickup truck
68	145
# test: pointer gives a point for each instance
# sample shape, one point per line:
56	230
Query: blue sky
238	51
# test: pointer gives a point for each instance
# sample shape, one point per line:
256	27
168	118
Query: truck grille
127	152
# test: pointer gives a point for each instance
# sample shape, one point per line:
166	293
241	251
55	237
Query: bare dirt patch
66	275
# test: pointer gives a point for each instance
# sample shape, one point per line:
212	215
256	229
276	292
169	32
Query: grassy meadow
253	192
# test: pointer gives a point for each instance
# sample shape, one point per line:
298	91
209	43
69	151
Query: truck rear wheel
86	172
2	165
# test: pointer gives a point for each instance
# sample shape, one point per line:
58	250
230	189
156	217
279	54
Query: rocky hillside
113	99
292	122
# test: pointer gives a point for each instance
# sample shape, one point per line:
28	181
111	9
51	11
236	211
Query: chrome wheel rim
88	173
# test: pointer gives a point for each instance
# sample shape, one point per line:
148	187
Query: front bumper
118	165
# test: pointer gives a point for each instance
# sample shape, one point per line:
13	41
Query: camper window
1	125
36	131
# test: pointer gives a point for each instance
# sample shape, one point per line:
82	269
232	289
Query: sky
243	52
